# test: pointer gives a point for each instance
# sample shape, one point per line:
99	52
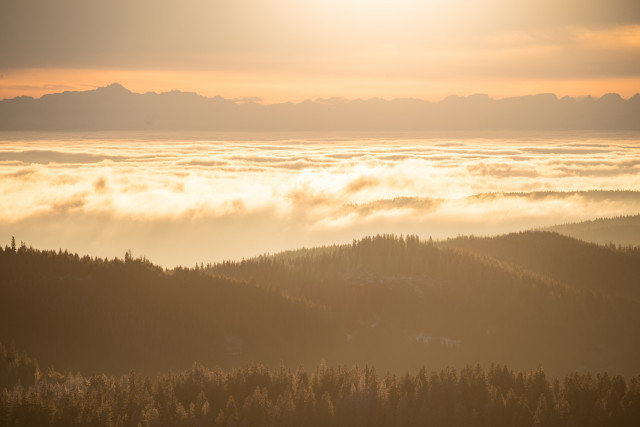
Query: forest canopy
344	396
397	331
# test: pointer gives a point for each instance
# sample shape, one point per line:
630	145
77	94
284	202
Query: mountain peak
611	97
114	87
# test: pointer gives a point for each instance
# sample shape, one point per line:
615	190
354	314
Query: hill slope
404	300
624	230
113	316
584	266
395	303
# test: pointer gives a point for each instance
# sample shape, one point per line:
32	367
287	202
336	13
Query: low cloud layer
231	196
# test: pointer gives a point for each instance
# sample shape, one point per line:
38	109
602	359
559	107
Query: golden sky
298	49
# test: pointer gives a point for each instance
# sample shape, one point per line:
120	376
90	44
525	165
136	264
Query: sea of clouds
182	199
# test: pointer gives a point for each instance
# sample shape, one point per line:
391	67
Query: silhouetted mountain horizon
114	107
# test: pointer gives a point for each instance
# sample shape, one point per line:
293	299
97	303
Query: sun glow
303	49
380	8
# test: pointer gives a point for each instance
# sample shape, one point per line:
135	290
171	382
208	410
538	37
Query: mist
197	198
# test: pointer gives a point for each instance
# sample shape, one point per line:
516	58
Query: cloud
73	204
100	185
105	192
361	183
501	170
47	156
205	163
318	172
399	206
23	173
565	150
203	235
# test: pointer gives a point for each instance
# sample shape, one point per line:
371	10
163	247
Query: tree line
329	396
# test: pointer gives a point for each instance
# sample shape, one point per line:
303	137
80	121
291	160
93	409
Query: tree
326	411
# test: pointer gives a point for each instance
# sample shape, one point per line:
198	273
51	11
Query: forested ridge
406	300
343	396
97	315
396	303
421	312
621	231
609	269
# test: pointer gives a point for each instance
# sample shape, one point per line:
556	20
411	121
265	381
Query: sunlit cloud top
319	176
220	196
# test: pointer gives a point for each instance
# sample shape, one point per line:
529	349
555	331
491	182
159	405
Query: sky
291	50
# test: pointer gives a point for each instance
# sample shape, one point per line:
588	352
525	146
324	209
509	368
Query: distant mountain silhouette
115	108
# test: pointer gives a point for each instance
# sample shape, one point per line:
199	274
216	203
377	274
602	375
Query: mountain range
116	108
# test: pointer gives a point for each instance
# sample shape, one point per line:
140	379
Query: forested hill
111	316
585	266
406	301
17	368
623	230
391	302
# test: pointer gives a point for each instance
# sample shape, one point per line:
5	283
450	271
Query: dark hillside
345	396
17	368
403	301
581	265
394	303
96	315
623	230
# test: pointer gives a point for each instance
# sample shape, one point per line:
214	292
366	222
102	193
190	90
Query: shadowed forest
625	230
394	325
388	301
258	396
